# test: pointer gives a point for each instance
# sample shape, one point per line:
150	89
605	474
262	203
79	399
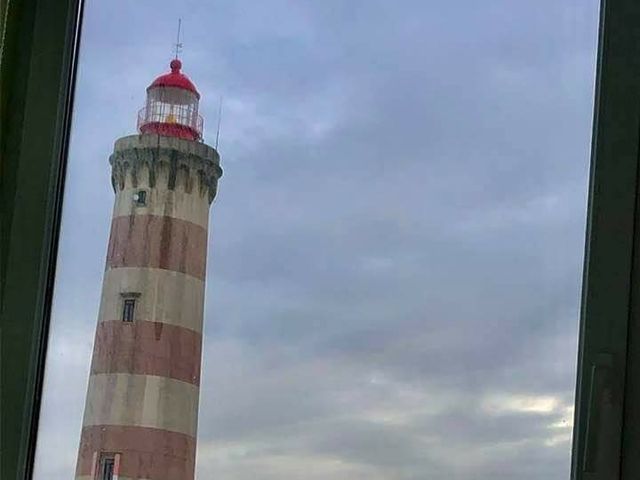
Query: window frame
128	309
40	41
38	65
140	198
605	435
126	298
103	458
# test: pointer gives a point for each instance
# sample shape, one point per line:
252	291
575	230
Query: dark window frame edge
38	71
601	433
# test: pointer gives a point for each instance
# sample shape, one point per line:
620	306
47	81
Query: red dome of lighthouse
172	106
175	78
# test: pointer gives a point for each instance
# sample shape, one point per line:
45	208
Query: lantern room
171	109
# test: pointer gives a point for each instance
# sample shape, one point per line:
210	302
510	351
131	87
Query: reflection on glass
394	253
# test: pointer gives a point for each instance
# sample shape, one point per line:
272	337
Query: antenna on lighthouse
178	44
219	122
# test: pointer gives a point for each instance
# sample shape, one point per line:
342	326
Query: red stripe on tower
147	348
144	452
158	242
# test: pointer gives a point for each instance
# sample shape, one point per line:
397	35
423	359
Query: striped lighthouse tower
141	409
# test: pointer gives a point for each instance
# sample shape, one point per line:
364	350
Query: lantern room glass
171	108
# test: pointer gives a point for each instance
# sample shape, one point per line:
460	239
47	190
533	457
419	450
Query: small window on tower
140	198
107	467
128	308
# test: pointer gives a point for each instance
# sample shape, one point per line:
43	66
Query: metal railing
179	119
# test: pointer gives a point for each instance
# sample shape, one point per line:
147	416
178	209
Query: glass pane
392	261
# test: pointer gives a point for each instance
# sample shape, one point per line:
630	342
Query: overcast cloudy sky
396	245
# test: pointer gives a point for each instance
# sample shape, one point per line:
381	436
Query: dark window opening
140	198
127	309
107	464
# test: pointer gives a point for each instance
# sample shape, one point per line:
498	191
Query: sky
395	251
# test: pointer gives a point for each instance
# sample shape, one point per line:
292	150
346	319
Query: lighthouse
141	411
